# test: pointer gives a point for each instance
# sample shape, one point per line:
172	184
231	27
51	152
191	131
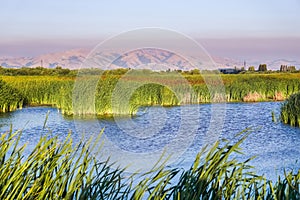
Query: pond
184	130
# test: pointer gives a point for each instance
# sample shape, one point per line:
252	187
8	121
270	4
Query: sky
231	28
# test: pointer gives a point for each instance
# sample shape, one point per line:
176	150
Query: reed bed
154	89
10	98
290	110
57	169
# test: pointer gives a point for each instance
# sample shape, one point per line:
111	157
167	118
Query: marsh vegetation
19	91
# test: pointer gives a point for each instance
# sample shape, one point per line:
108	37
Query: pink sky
237	48
240	29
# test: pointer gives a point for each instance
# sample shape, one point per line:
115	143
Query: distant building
230	71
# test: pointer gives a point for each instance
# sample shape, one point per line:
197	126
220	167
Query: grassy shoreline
57	91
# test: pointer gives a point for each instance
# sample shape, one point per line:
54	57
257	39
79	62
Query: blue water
178	131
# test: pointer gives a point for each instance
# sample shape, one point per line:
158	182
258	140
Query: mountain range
74	58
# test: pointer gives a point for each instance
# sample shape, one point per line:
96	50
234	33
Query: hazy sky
228	28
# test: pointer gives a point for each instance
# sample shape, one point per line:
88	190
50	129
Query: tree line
37	71
59	71
283	68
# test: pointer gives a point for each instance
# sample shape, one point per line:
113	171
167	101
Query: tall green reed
60	169
290	110
17	91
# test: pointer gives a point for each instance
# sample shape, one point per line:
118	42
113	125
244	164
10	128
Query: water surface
275	145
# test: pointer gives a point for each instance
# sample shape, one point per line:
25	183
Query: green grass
164	88
57	169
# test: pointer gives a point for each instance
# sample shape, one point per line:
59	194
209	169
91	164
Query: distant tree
283	68
118	71
58	67
61	71
37	71
262	68
291	68
195	71
251	69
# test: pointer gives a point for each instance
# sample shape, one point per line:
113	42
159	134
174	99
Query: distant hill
73	59
68	59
